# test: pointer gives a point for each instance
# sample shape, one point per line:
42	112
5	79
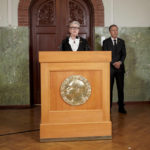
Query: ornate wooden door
49	26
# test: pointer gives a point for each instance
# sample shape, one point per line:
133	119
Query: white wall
3	13
9	12
132	12
125	13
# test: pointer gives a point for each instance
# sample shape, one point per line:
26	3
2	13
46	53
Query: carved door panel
78	10
49	26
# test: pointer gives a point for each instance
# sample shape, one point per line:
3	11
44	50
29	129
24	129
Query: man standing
117	69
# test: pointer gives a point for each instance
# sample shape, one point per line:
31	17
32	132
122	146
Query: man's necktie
115	43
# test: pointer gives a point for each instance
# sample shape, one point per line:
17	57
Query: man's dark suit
83	45
118	54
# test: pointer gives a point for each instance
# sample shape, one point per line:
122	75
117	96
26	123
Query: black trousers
118	75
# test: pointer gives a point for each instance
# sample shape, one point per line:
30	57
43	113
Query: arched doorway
49	20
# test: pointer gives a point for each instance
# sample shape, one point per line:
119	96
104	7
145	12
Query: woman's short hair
74	22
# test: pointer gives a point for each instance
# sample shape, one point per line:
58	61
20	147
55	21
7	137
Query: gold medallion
75	90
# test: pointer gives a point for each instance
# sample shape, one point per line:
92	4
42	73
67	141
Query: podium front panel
60	120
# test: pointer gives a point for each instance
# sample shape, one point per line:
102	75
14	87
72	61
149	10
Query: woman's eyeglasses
74	28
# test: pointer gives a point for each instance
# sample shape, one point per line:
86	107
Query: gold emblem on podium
75	90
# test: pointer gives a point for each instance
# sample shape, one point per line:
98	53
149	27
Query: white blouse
74	43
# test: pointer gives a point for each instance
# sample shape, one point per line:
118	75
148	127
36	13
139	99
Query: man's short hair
113	25
74	22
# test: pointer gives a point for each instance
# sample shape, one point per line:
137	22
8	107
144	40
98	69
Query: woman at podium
74	42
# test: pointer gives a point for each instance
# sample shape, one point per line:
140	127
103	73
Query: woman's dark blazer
83	45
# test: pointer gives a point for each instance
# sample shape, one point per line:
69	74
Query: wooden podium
61	121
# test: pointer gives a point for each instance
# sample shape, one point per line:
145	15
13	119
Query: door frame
92	39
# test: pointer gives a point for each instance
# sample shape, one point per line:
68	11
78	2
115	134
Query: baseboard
15	106
133	102
38	105
137	102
